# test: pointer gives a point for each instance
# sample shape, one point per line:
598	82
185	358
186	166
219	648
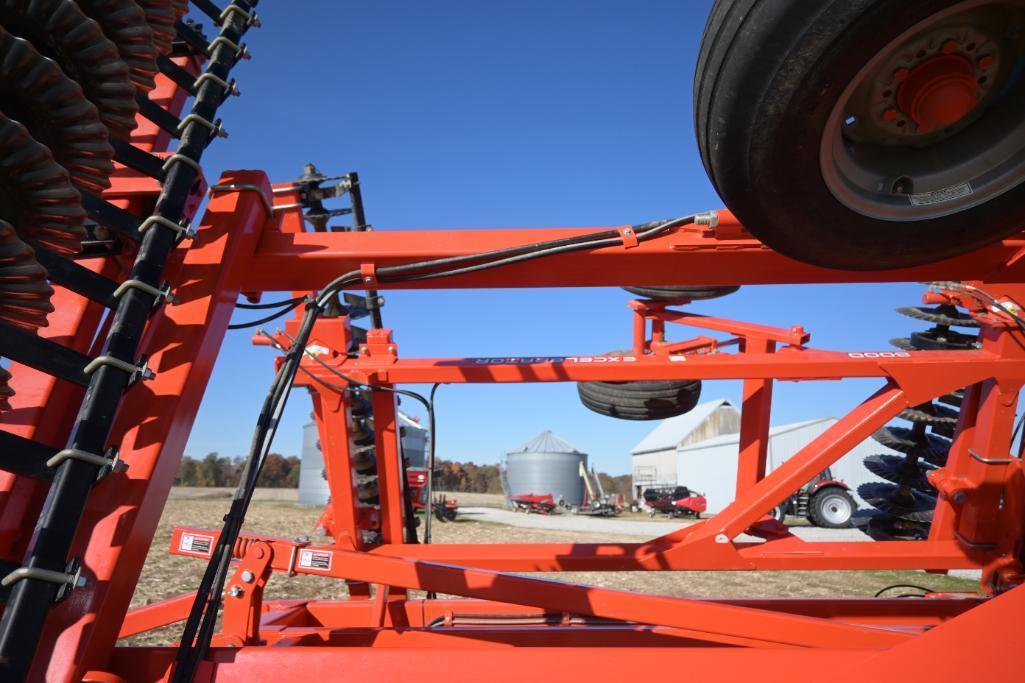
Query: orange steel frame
246	246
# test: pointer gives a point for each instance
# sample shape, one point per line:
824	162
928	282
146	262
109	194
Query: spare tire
640	400
694	293
866	135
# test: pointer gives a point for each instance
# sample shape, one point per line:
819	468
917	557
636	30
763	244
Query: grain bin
546	464
414	441
313	488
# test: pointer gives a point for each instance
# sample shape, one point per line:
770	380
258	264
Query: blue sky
528	114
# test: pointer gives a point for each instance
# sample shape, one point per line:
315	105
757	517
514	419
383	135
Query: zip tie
241	51
215	128
140	370
229	86
188	161
245	187
161	294
84	456
180	230
250	18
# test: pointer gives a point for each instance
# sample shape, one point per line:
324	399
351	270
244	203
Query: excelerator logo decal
553	359
879	354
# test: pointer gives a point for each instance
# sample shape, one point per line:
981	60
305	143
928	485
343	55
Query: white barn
654	459
710	466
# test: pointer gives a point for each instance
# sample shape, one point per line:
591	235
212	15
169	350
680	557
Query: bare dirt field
165	575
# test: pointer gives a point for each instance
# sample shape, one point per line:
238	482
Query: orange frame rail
247	246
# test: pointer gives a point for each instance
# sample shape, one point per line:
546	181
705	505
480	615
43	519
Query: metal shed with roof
654	460
547	464
710	466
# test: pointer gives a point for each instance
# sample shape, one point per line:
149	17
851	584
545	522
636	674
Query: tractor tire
641	400
823	133
683	292
831	508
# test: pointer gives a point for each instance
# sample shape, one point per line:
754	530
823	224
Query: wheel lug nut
985	61
900	74
890	114
949	46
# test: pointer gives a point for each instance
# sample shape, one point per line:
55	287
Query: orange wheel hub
938	92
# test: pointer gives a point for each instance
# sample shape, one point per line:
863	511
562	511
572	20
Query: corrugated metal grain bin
546	464
313	488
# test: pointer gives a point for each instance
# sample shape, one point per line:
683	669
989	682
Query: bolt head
248	576
368	279
890	114
949	46
985	61
722	538
236	592
900	74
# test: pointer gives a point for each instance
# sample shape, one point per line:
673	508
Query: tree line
279	471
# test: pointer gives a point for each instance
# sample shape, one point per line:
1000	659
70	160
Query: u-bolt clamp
230	88
250	18
181	231
160	294
215	128
135	371
241	51
68	580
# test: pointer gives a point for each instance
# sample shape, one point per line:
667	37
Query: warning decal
197	544
318	560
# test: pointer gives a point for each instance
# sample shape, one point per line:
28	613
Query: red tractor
416	485
675	501
825	502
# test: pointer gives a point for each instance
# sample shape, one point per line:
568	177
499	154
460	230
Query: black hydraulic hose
432	431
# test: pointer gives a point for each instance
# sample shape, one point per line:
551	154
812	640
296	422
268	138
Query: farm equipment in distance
675	501
824	501
543	504
597	503
444	508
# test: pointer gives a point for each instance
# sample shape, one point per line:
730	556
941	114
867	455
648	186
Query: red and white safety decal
317	560
196	544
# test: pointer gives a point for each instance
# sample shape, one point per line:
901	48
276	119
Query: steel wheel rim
931	171
836	509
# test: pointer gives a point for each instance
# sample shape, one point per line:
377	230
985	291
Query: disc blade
899	501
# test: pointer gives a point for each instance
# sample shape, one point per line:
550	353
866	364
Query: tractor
825	502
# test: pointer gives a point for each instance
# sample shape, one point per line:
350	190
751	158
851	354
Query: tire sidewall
780	192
